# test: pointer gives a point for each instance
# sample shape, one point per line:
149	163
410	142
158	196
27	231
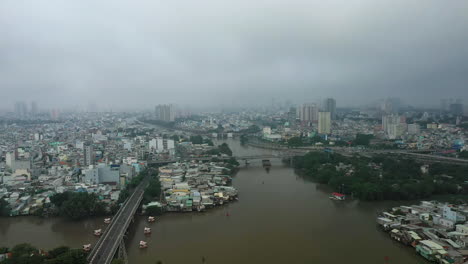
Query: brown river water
279	218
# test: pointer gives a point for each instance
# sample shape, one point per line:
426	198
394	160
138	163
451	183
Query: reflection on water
279	218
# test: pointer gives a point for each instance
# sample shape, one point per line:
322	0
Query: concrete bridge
112	239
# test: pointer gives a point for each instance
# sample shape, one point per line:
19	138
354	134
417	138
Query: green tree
154	210
295	142
224	148
59	198
362	140
81	205
196	139
74	256
4	208
58	251
154	188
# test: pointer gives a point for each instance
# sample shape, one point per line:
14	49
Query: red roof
338	194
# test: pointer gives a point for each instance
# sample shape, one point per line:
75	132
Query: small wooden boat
87	247
97	232
107	221
337	196
147	230
143	244
151	219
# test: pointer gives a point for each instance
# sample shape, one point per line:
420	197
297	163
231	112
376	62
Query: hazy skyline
122	54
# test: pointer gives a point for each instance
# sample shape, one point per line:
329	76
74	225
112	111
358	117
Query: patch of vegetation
76	205
27	254
383	177
4	208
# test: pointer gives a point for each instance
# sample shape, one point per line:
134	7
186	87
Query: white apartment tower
324	123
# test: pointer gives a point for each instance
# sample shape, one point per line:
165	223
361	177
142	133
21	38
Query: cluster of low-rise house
96	153
195	186
437	231
230	122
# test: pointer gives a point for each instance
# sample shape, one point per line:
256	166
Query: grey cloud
140	53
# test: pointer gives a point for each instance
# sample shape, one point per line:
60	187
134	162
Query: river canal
279	218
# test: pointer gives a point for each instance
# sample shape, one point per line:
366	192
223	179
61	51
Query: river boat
147	230
107	221
337	196
266	163
151	219
143	244
97	232
87	247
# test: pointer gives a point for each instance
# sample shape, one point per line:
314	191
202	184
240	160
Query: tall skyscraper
394	126
308	112
165	113
89	155
34	108
21	109
330	106
443	105
324	122
456	109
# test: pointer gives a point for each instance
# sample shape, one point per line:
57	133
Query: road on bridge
104	250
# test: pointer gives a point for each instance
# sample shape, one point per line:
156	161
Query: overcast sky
222	52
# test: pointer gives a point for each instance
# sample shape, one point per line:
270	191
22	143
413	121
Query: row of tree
382	177
78	205
27	254
200	140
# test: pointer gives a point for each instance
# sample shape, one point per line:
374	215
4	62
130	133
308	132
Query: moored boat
147	230
337	196
87	247
107	221
151	219
143	244
97	232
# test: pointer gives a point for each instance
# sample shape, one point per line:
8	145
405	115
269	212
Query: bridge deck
104	250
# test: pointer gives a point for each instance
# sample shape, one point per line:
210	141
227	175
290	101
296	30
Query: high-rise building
394	126
34	108
89	155
21	109
324	122
165	113
390	105
456	109
329	105
414	129
308	113
292	114
443	105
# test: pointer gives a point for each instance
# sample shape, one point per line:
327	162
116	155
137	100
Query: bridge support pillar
122	252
